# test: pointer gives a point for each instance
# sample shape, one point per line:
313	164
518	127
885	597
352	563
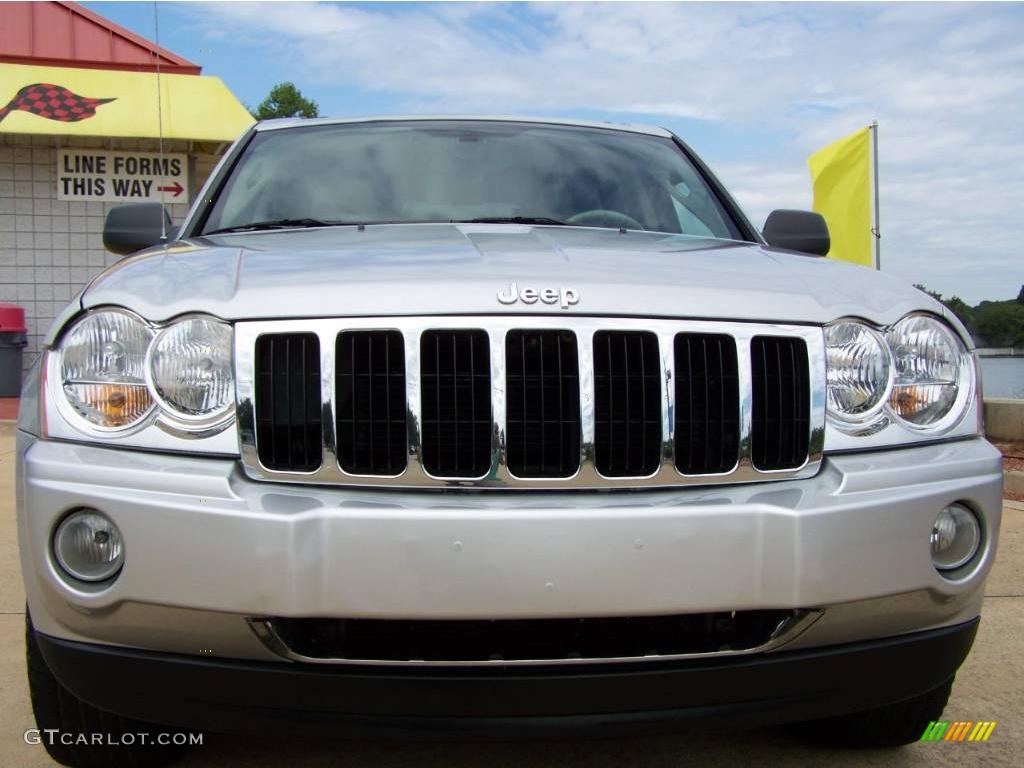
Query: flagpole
876	231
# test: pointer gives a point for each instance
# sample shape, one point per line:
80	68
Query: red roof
64	34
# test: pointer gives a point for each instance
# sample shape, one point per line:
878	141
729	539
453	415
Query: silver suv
448	424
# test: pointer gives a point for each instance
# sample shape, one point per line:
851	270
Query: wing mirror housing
134	226
803	231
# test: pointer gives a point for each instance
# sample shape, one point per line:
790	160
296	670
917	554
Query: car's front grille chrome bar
668	471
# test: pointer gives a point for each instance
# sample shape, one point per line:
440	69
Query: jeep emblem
564	297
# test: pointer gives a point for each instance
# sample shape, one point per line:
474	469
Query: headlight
914	379
190	370
930	365
103	370
120	374
859	371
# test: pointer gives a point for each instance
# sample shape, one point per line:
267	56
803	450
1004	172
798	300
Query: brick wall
49	248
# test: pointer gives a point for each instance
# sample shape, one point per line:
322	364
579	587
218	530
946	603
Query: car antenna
159	117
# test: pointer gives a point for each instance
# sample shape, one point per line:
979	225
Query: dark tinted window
455	171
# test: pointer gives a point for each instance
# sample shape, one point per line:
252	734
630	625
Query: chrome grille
541	402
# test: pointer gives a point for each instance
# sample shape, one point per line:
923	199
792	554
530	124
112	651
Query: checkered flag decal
53	102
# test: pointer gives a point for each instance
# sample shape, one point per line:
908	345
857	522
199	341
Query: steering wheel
602	217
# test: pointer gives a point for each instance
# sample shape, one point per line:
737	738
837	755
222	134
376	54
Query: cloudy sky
754	88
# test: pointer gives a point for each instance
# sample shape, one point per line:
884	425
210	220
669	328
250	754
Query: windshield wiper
256	226
512	220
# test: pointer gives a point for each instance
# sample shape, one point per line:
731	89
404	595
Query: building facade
91	116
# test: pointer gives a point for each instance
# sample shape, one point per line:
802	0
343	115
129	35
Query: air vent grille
371	423
287	410
627	403
781	402
455	371
707	414
543	403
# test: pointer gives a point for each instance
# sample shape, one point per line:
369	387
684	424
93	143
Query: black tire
890	726
55	707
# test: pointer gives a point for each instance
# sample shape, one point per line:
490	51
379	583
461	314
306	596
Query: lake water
1003	376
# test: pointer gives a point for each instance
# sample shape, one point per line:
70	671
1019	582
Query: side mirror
134	226
803	231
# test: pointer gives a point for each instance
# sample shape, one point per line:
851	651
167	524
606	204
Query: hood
436	269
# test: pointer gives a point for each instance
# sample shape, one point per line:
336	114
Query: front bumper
205	547
298	699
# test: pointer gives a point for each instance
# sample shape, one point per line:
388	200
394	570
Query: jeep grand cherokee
426	425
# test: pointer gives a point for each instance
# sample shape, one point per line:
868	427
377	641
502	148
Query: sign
123	177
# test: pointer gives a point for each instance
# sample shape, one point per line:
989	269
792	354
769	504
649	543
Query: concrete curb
1004	419
1013	482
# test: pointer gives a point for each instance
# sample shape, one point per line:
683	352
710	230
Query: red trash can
13	338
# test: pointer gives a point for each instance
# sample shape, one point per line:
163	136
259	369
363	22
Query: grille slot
781	402
455	372
627	403
707	414
510	640
287	417
371	424
543	403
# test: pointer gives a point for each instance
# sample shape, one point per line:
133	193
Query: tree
956	305
285	100
1000	323
1020	296
961	309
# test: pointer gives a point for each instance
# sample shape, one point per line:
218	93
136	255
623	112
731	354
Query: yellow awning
96	102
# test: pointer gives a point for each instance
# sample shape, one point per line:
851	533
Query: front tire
890	726
94	737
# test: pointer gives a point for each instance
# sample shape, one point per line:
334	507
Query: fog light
88	546
955	537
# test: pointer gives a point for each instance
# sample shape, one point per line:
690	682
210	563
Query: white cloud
945	81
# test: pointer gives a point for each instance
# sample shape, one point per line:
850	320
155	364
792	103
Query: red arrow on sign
177	189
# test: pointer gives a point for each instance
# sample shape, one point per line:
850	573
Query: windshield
442	171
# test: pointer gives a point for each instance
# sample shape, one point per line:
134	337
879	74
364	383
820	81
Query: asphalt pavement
990	686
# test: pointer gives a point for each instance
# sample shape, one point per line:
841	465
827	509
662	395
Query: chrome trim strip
497	327
667	349
588	458
499	470
787	630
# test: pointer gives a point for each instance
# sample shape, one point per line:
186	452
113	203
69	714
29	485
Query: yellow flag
841	175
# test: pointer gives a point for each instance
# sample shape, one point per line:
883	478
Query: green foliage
961	309
992	323
285	100
956	305
1000	323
